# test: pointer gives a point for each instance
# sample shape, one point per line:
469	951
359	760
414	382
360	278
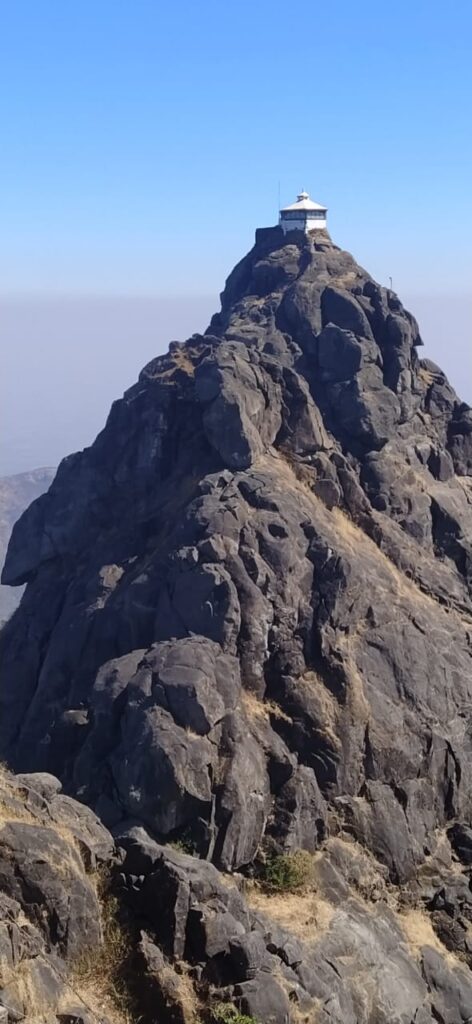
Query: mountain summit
247	628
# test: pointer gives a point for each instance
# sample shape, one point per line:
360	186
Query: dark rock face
50	914
304	955
248	616
196	938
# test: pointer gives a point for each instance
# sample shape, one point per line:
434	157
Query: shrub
185	844
288	872
226	1013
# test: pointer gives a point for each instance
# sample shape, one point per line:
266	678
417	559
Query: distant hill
16	493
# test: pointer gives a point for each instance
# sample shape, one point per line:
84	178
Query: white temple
304	215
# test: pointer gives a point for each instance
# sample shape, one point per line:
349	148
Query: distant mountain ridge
16	493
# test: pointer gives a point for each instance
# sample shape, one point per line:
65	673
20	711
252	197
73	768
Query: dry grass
340	526
305	475
356	700
182	360
426	376
65	862
327	707
99	976
192	733
14	811
178	358
20	989
256	708
297	1014
189	1003
419	932
399	583
13	808
305	915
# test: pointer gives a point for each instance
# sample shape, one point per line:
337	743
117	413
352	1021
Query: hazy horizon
66	358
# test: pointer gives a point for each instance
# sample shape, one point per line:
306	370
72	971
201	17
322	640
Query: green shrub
226	1013
288	872
184	844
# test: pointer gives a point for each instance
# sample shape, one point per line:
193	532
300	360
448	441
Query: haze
65	360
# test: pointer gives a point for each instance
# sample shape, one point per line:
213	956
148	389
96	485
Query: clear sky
143	141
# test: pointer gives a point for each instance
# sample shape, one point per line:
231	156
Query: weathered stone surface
451	988
163	993
263	999
29	859
344	947
50	913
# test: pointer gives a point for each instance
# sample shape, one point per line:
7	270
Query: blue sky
143	141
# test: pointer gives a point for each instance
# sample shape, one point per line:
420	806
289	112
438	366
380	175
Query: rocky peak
248	617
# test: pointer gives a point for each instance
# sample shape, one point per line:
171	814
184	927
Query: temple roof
303	203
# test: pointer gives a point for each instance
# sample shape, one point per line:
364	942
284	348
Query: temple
303	215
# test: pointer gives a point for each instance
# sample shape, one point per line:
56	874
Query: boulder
460	837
